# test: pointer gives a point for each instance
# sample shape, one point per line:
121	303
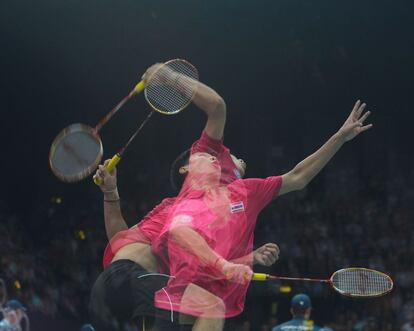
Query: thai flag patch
237	207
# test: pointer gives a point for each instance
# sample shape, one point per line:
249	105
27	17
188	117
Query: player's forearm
246	260
205	97
307	169
209	101
192	242
114	221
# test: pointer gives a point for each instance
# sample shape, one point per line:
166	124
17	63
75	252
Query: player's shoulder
167	201
162	207
254	182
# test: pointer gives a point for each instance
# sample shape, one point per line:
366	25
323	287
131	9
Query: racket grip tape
260	276
110	166
139	87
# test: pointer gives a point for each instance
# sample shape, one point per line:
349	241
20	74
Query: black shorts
124	292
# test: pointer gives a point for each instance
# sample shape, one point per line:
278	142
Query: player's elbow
180	229
217	106
178	232
298	180
301	184
220	104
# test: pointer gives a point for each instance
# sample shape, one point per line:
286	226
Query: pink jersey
144	232
150	227
226	222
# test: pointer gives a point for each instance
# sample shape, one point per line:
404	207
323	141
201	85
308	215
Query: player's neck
204	182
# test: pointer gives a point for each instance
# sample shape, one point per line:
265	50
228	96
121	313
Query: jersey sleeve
206	144
261	191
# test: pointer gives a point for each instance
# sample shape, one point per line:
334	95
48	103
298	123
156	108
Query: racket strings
172	88
75	153
77	150
361	282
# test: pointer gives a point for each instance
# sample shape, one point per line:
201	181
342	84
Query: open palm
354	124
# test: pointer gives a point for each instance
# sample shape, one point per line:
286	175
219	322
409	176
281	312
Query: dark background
289	70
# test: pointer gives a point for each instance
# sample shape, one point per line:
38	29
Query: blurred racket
77	150
352	282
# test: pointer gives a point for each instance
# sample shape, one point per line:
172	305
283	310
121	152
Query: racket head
170	93
361	282
75	153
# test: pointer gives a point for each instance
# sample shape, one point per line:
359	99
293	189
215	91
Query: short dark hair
177	179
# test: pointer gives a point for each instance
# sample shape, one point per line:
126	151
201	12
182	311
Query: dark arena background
289	71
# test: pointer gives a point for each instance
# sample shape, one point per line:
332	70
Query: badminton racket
77	150
352	282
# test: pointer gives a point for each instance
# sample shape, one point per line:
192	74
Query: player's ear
183	170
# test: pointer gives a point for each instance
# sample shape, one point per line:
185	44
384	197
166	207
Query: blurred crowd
50	257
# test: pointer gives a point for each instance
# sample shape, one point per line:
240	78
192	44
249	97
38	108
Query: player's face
240	164
203	163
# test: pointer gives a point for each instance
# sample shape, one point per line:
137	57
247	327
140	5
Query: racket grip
139	87
110	166
260	277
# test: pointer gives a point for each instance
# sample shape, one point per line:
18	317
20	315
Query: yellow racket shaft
110	166
260	277
116	158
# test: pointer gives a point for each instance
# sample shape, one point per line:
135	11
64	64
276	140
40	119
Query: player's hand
266	255
109	182
354	124
238	273
163	73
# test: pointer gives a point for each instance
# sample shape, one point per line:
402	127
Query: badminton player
223	218
125	289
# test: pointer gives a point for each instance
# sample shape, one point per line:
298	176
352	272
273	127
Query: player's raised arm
214	106
204	98
114	221
306	170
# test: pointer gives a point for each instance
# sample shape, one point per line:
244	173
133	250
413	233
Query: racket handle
139	87
260	277
110	166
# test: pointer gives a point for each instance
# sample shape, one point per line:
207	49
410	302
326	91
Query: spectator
301	310
13	314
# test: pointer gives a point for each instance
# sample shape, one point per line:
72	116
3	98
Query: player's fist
238	273
266	255
109	182
163	73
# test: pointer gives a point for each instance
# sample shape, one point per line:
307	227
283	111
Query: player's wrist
255	259
339	136
220	263
111	195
